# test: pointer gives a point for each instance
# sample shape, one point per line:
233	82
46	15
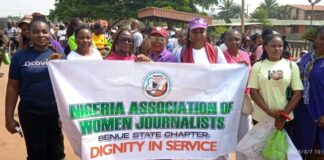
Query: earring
31	44
50	44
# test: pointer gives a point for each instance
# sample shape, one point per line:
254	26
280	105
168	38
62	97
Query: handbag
247	108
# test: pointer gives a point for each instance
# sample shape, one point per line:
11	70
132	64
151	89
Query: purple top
164	56
306	130
316	85
316	89
57	45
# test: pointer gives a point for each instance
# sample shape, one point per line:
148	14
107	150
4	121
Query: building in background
304	12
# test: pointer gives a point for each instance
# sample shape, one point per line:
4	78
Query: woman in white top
85	50
197	49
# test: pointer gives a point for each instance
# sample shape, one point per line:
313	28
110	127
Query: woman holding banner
159	53
29	79
122	47
197	49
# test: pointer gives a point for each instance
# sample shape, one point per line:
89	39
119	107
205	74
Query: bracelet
284	114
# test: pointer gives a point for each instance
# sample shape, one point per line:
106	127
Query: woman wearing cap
197	49
24	34
122	47
159	53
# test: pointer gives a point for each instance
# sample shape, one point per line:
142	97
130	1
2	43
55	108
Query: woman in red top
233	54
122	47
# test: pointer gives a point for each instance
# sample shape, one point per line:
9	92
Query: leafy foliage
229	10
309	35
260	15
206	3
113	9
218	31
274	10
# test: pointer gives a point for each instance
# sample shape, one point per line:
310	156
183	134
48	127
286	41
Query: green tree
260	15
270	6
309	35
218	31
113	10
275	10
206	3
282	12
229	10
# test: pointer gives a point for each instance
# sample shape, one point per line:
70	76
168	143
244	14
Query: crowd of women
271	76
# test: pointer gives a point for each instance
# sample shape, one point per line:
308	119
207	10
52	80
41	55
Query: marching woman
85	50
197	49
309	121
269	81
122	47
233	55
29	79
24	27
159	52
70	30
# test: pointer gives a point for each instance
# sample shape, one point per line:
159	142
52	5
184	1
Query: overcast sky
21	7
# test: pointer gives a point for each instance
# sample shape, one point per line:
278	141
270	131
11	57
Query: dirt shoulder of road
12	145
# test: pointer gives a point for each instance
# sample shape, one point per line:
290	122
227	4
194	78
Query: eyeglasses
126	40
157	39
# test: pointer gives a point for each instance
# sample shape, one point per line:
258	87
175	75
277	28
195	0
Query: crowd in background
273	72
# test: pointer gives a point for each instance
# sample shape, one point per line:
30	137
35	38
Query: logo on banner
156	85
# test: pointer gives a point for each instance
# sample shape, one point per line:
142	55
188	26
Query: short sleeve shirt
29	67
272	80
100	40
164	56
95	55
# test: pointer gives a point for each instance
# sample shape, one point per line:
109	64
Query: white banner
127	110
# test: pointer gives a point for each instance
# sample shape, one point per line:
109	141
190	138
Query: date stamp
314	151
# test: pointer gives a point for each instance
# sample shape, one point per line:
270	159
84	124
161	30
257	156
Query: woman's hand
11	125
280	120
274	114
56	56
243	62
142	58
321	122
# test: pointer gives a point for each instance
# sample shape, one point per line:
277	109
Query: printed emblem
275	75
156	85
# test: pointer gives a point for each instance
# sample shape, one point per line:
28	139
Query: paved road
13	146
